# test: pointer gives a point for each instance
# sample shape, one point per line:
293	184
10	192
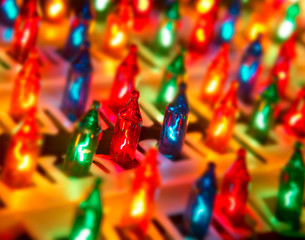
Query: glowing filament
77	36
25	36
29	102
84	234
118	36
172	129
138	205
289	196
55	8
232	204
143	5
82	150
125	140
221	127
23	161
123	92
170	93
212	86
204	6
295	118
200	35
199	210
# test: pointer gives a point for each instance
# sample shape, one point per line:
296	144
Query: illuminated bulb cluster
84	142
215	77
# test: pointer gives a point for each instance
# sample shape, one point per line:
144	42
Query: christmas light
126	133
8	12
294	119
83	144
198	213
78	32
202	33
55	10
115	38
257	27
166	35
215	77
101	5
172	77
124	81
78	84
174	124
281	67
264	112
22	153
141	202
26	87
291	189
141	7
207	6
234	191
222	123
25	31
288	25
88	217
227	26
249	70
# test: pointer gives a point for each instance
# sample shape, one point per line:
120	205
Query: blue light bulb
174	125
227	30
78	31
249	70
8	12
77	85
198	213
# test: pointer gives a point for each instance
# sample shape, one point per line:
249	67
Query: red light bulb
141	202
280	72
233	195
124	82
26	87
116	36
222	123
141	7
22	153
215	77
126	133
25	31
294	119
202	33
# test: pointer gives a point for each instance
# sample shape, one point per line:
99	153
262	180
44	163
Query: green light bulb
83	144
88	217
172	77
288	25
291	190
173	11
263	115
